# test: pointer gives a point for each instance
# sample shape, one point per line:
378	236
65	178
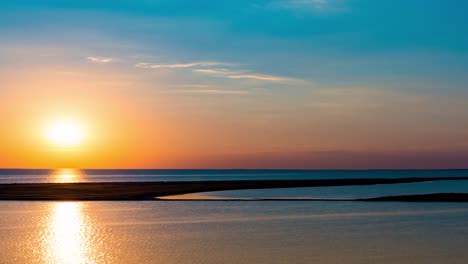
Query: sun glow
65	133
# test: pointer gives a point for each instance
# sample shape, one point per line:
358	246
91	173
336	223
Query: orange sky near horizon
128	130
139	128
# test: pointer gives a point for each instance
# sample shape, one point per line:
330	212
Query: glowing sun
65	133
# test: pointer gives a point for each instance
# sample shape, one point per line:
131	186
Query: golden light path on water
68	236
67	241
66	175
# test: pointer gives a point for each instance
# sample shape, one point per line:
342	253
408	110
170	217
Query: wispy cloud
216	71
206	67
313	3
146	65
307	5
100	59
244	75
211	91
192	85
260	77
204	89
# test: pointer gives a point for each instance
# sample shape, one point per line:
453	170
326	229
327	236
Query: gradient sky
236	84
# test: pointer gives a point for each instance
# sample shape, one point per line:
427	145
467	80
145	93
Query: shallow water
232	232
340	192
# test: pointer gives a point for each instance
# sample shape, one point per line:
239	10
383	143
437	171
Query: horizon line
243	169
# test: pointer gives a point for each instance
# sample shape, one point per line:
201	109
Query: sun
65	133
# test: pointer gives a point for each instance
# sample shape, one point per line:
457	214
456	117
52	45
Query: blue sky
391	71
329	41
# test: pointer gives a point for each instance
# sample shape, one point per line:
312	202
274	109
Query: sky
291	84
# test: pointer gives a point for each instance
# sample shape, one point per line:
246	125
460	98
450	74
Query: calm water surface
236	231
342	192
232	232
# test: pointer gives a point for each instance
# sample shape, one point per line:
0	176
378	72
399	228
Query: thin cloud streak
244	75
192	85
212	91
308	5
224	72
313	3
100	59
260	77
145	65
216	71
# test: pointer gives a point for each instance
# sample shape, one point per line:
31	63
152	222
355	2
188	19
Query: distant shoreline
127	191
110	170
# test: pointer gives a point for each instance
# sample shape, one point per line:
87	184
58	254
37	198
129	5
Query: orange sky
130	127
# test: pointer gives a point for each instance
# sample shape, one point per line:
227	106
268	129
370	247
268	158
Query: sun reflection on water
67	240
68	234
66	175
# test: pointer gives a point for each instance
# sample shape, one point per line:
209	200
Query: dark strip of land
101	191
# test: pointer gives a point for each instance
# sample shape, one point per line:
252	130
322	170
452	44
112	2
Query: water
40	176
342	192
234	231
